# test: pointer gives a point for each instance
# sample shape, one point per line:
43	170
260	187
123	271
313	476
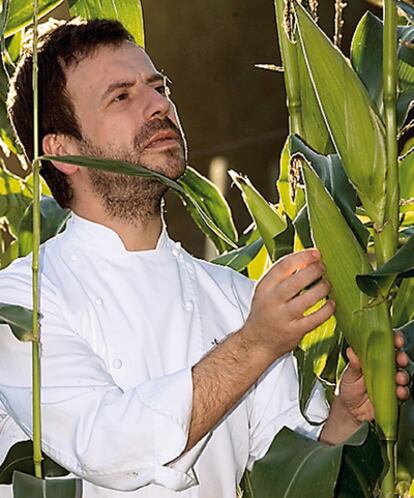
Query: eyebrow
116	85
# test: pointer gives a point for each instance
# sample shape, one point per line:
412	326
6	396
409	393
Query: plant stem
291	69
387	485
386	238
37	444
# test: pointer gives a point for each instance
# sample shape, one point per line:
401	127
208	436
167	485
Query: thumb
353	372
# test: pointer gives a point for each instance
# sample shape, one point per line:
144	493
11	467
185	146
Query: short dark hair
59	48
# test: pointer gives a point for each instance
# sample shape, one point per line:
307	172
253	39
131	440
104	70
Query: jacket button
117	363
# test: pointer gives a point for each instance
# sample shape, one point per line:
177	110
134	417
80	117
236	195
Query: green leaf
315	132
238	259
312	355
128	12
302	227
53	219
366	327
21	14
25	486
298	466
19	319
361	468
366	55
403	304
136	170
330	171
405	441
408	330
378	282
268	221
355	127
291	194
20	458
208	196
406	176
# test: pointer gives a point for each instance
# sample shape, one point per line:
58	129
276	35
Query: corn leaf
128	12
312	356
20	458
240	258
292	197
366	327
20	14
25	485
366	55
298	466
400	265
355	127
333	176
213	203
12	206
406	177
259	265
268	221
136	170
403	304
19	319
302	228
53	219
314	130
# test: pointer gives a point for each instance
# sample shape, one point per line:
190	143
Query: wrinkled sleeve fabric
274	404
117	439
274	401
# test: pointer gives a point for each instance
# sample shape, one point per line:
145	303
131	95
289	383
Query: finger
401	359
353	359
290	264
403	393
296	283
298	305
402	378
313	320
399	339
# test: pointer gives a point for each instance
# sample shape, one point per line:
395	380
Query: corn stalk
37	431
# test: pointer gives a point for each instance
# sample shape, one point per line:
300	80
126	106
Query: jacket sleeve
118	439
274	404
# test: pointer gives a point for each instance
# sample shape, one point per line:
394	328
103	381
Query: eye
163	90
120	97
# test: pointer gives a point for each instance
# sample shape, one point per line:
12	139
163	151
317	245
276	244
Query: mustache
154	126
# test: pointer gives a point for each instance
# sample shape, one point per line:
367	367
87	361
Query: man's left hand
352	391
352	406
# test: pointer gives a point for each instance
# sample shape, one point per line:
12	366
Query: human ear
59	145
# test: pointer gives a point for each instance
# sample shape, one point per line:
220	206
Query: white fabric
120	332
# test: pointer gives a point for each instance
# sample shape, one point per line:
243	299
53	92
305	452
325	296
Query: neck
139	235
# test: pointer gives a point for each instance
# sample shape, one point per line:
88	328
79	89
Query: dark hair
58	49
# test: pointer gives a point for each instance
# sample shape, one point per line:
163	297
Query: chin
173	166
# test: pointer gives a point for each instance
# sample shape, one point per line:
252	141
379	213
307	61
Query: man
161	374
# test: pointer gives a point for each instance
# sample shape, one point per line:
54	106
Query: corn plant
345	184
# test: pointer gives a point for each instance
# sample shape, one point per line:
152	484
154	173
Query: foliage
338	188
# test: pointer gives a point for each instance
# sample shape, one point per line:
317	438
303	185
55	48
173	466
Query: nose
157	104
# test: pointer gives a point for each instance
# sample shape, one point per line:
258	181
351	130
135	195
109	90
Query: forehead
92	75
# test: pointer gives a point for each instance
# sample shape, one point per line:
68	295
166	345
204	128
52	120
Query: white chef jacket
119	334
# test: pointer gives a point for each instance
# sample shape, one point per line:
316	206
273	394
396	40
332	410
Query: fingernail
316	254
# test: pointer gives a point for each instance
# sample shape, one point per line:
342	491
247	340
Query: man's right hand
275	326
276	320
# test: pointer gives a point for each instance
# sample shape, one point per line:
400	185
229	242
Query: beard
134	199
